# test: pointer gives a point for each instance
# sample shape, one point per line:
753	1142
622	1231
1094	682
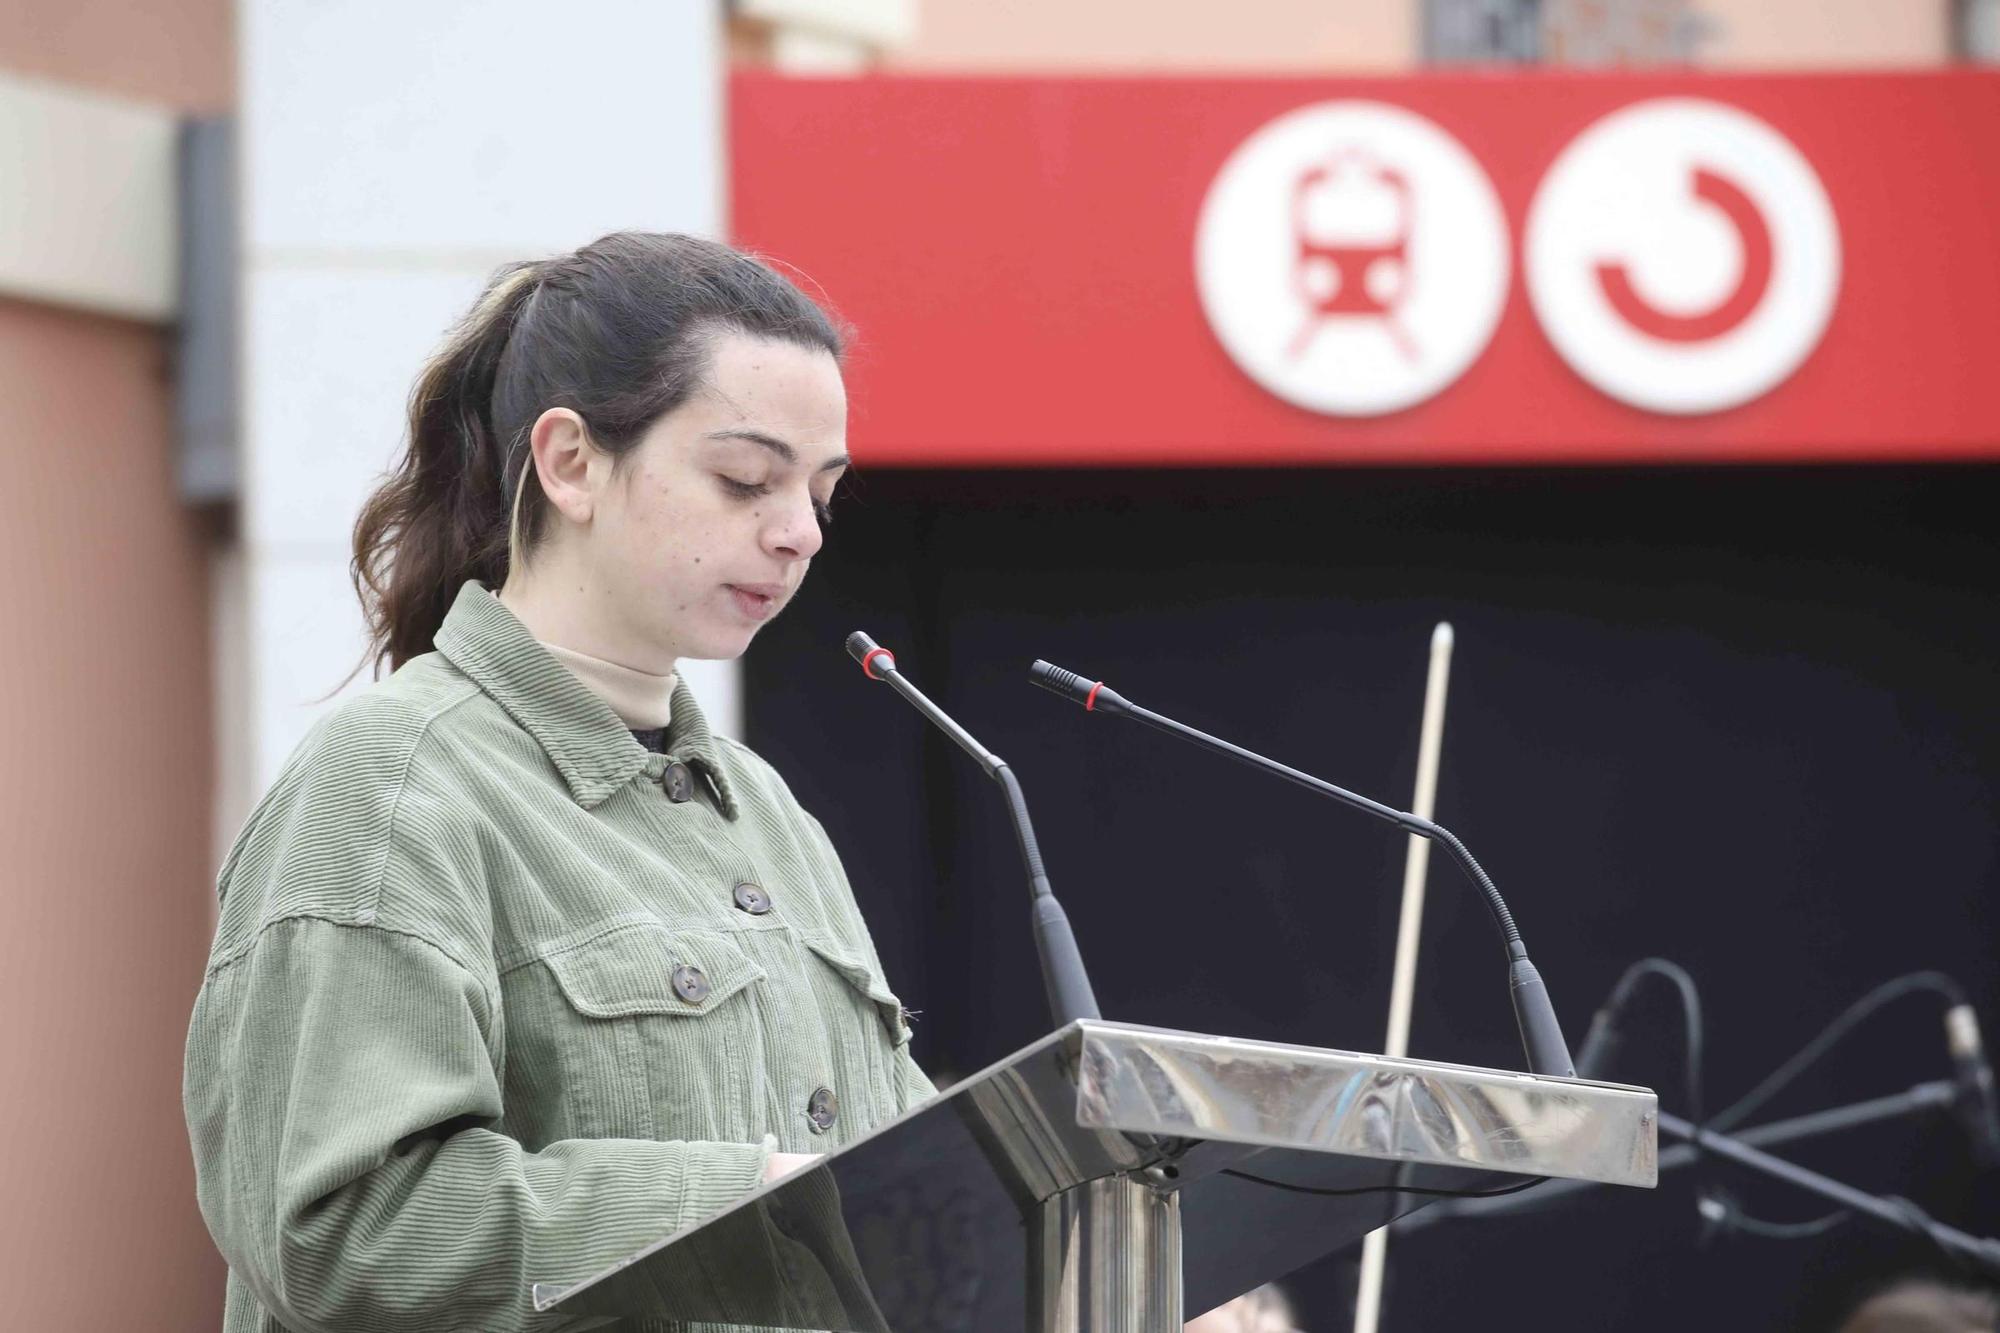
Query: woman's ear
563	453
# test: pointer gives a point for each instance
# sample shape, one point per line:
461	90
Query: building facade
172	645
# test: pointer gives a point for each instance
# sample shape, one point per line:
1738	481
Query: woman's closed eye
752	490
744	490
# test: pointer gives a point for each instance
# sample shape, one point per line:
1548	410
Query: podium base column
1109	1259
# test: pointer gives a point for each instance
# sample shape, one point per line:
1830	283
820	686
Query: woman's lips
759	601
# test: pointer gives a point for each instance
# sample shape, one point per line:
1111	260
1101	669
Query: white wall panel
502	127
393	155
307	636
339	348
231	701
718	688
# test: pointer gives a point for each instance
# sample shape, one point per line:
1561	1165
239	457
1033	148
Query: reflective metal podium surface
1062	1187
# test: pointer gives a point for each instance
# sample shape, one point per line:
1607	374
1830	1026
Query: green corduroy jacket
487	1007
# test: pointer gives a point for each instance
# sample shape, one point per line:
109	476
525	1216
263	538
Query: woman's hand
1264	1310
784	1163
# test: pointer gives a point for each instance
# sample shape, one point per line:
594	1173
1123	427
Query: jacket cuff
715	1175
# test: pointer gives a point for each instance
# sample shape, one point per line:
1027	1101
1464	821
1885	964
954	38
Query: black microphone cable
1719	1211
1602	1043
1913	983
1968	1095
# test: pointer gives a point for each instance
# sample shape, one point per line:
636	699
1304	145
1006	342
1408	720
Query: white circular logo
1352	258
1682	256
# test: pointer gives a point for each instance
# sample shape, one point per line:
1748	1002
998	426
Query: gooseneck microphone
1541	1035
1068	985
1974	1104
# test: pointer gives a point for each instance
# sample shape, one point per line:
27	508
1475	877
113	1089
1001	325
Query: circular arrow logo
1682	256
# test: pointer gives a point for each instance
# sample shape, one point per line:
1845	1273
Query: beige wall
108	776
1295	36
1826	34
106	791
1271	36
178	52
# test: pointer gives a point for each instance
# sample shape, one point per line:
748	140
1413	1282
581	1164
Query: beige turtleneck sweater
641	699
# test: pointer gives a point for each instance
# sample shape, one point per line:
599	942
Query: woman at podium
520	966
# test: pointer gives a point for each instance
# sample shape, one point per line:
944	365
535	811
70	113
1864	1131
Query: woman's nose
793	533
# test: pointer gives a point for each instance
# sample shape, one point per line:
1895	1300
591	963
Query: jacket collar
588	742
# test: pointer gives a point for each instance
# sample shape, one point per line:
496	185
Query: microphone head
1976	1105
1077	689
1058	681
867	652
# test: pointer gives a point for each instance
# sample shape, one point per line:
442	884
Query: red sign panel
1438	269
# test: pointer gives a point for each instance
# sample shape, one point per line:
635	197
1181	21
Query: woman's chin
721	646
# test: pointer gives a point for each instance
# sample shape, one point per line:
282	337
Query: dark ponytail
618	332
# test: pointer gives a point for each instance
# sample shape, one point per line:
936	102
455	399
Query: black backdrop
1745	719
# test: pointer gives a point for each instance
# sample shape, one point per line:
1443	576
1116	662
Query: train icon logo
1681	256
1347	274
1352	258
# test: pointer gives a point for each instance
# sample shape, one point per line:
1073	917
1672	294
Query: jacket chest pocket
655	1033
867	1019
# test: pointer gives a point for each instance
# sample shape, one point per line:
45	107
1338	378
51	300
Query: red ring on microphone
1090	700
870	656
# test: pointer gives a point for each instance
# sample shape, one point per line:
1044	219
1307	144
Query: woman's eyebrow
777	446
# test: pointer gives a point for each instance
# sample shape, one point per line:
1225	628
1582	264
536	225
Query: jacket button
677	782
823	1109
690	984
751	899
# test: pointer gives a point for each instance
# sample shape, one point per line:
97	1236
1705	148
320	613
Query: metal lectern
1109	1178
